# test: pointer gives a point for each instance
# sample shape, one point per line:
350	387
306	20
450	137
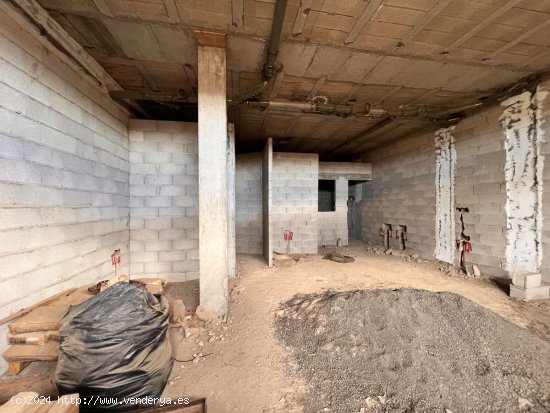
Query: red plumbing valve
288	235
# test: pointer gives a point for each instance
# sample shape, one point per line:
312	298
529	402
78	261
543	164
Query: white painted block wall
333	225
164	225
248	216
64	200
295	187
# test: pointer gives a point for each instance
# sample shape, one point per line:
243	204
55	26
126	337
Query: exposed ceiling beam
67	9
237	13
318	85
172	10
483	24
29	12
390	93
519	39
428	17
103	7
301	16
368	13
277	84
365	133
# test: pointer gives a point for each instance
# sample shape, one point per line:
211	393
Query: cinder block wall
248	216
63	174
333	225
295	186
164	225
403	191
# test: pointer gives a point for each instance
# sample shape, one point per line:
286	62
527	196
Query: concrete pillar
213	211
267	199
231	234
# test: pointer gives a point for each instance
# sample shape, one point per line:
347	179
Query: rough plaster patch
523	171
445	158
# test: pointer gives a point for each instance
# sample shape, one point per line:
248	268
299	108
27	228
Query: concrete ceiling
439	53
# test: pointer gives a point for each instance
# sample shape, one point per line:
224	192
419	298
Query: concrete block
536	293
526	281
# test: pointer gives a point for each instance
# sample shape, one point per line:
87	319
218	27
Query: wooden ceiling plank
521	38
428	17
483	24
237	11
368	13
301	16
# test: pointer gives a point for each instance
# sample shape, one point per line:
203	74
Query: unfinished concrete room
275	206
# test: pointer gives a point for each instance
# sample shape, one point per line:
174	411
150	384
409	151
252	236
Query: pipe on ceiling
271	66
365	110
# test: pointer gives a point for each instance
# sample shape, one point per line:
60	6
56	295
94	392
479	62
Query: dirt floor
241	366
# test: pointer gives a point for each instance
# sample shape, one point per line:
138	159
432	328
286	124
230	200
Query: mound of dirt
412	351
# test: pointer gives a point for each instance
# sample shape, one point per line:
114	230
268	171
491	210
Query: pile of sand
412	351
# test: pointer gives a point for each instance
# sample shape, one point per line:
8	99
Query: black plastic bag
114	348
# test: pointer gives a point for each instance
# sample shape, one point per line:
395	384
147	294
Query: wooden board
37	377
27	310
16	367
23	352
37	338
47	317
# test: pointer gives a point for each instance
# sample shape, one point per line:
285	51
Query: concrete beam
213	180
484	23
368	13
237	11
520	39
301	16
428	17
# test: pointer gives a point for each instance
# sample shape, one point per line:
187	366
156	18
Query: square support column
213	179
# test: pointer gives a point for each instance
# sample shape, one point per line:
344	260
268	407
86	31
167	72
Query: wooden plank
36	338
27	310
211	39
47	317
22	352
16	367
368	13
29	378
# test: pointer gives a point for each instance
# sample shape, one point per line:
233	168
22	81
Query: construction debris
339	257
